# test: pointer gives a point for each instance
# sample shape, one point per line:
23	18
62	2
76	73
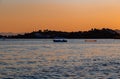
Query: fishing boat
90	40
59	40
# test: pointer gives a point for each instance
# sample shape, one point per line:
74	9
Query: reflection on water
43	59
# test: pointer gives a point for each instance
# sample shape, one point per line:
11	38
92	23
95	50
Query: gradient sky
66	15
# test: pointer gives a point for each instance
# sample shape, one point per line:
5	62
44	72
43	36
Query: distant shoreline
103	33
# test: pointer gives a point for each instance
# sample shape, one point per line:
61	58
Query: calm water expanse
43	59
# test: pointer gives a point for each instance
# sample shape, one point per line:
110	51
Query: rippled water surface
44	59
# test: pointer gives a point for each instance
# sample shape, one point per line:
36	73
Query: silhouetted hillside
118	31
1	36
93	33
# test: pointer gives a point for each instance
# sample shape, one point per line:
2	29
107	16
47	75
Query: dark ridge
104	33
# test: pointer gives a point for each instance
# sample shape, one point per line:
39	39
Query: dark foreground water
43	59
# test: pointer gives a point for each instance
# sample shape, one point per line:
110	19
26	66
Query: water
43	59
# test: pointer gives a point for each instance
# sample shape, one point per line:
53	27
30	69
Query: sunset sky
65	15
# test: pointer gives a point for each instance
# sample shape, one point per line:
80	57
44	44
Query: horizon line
57	30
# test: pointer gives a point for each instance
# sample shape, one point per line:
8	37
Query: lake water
44	59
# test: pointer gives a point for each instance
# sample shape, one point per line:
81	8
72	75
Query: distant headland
104	33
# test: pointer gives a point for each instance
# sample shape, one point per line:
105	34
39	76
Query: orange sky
66	15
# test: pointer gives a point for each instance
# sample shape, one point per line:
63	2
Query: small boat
59	40
90	40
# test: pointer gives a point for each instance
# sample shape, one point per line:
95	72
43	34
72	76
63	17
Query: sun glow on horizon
64	15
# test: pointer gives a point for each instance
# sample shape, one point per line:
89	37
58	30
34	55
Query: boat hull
59	40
